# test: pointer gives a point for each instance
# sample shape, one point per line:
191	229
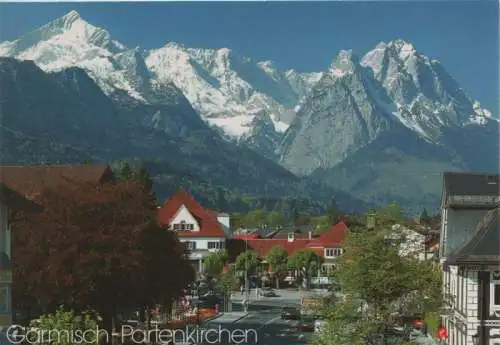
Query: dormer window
183	225
290	237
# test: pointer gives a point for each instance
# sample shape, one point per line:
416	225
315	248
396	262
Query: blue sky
463	35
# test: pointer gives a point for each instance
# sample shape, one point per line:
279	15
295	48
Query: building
327	245
202	231
10	203
470	257
31	180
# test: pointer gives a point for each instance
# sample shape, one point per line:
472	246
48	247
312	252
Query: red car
307	324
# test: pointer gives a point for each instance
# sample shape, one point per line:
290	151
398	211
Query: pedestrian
241	289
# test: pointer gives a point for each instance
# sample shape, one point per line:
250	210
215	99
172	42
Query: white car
319	325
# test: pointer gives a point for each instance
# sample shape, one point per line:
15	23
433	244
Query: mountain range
381	127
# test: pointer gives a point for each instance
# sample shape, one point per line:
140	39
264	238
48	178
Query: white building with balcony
202	231
470	256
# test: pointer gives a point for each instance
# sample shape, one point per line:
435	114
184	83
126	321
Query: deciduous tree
96	247
214	263
278	258
378	284
305	261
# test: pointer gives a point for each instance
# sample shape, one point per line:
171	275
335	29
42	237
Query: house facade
202	231
469	253
328	246
10	203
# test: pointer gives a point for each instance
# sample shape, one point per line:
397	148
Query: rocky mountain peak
345	63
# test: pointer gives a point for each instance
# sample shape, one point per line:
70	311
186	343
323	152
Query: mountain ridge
314	124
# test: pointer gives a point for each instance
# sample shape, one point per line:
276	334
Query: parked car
290	313
268	292
319	325
307	324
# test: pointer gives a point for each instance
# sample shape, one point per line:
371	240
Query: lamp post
245	305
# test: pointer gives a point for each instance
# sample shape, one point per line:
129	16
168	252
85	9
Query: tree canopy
378	285
247	261
214	263
96	247
278	258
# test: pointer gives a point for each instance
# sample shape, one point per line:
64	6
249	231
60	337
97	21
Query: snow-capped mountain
356	100
361	120
229	91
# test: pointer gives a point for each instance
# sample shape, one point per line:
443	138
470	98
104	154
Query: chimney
310	234
291	236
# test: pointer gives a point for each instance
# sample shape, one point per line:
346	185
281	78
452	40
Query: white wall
201	249
224	220
225	224
183	214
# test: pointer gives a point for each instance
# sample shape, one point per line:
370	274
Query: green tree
126	171
214	262
306	261
390	214
425	218
333	214
62	325
247	262
322	224
277	257
226	283
255	218
142	176
274	219
379	284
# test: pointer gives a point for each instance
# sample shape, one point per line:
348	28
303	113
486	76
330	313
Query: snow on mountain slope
419	92
228	90
391	89
71	41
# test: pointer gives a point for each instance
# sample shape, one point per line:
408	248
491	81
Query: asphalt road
263	325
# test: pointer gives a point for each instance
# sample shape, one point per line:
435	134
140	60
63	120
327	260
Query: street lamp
246	275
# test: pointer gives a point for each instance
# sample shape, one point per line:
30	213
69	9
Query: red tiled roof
331	238
209	225
31	180
263	245
246	236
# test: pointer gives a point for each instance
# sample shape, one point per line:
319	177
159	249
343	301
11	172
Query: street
263	324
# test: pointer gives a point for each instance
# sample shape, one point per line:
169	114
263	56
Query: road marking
274	319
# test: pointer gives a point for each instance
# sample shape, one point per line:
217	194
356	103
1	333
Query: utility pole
247	295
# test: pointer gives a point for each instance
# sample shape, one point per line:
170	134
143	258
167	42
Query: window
5	299
190	245
183	226
332	252
496	295
215	245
